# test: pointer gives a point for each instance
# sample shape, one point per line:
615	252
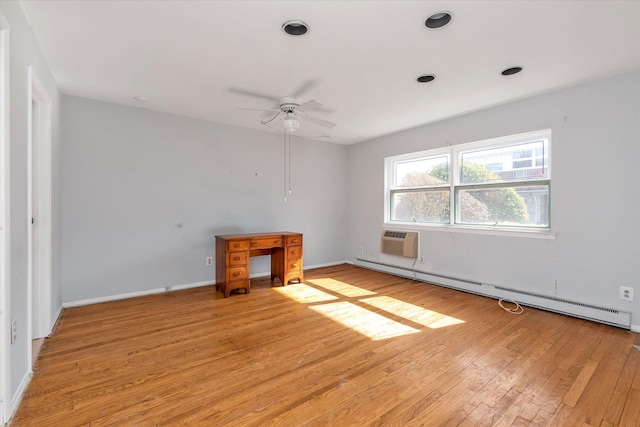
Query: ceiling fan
290	110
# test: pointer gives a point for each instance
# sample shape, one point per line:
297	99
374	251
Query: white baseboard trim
190	285
17	397
55	319
635	328
307	267
108	298
327	264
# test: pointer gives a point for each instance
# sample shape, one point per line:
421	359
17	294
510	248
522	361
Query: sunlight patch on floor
423	316
341	287
363	321
305	294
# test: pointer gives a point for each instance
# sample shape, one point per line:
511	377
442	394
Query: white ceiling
363	57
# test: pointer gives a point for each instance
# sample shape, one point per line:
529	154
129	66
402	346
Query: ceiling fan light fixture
426	78
295	28
291	124
438	20
511	71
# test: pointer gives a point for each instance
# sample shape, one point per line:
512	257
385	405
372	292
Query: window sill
493	231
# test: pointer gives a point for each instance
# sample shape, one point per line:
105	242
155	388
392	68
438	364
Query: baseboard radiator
609	316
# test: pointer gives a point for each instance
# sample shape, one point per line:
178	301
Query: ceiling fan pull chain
284	168
289	149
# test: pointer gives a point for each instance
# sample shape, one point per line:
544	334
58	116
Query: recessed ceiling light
426	78
295	28
512	70
140	98
438	20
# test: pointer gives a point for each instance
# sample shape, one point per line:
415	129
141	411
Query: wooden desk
233	252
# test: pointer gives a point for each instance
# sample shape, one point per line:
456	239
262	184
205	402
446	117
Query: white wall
132	175
24	51
595	196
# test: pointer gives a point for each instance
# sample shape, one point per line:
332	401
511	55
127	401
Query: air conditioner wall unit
400	243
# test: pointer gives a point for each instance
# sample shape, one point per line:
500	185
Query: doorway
39	211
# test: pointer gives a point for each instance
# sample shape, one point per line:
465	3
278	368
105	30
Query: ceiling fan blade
309	105
255	94
306	87
266	122
316	136
319	122
257	109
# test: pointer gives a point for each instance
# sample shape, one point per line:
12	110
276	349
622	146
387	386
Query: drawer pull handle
276	242
294	265
254	243
294	252
236	245
236	258
294	241
237	273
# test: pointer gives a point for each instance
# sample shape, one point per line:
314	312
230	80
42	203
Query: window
502	182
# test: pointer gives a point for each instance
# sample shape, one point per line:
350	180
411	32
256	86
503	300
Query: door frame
4	221
39	98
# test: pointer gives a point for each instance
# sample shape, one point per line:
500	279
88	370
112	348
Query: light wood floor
384	351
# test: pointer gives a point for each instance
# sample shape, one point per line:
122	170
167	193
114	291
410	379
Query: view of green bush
478	206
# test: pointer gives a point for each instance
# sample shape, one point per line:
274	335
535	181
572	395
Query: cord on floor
515	310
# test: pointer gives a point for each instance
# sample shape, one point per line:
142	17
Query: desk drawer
294	240
237	273
273	242
237	245
294	252
294	265
236	258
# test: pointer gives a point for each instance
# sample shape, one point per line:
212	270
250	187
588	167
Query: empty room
322	213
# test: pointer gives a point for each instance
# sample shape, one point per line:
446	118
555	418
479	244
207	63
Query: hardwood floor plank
617	401
578	386
631	412
590	408
520	422
265	359
635	385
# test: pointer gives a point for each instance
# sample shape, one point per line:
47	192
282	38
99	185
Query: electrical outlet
626	293
14	330
421	260
361	249
208	260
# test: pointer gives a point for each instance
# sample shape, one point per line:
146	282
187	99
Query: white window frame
454	152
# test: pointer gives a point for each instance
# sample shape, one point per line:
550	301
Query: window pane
513	162
421	206
526	205
521	154
522	164
422	172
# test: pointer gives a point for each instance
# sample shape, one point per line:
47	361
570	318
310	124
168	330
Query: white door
35	141
39	211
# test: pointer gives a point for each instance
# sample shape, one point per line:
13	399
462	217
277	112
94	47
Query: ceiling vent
295	28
